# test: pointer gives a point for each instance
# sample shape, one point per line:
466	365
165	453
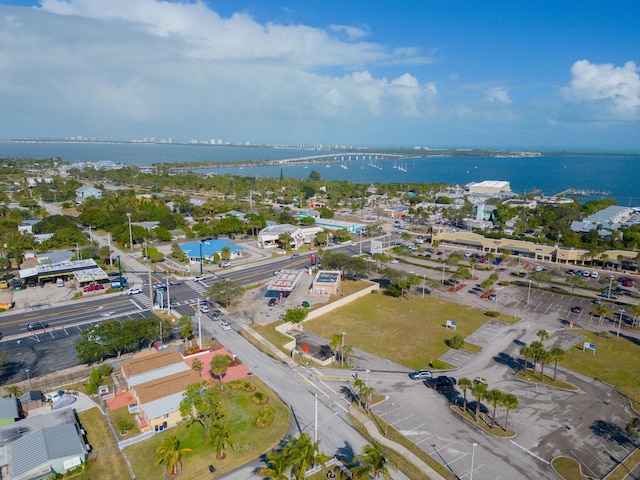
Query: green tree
225	292
464	384
295	315
220	438
510	402
170	453
303	454
544	358
494	397
201	405
526	353
364	392
557	354
347	351
371	463
336	345
456	342
285	239
479	392
314	175
219	366
536	349
197	365
278	467
542	335
13	391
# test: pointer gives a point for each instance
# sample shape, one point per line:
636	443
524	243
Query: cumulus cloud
613	91
497	95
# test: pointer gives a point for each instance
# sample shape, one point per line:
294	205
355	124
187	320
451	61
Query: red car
93	287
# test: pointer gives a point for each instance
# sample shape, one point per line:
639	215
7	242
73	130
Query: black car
37	326
246	237
232	237
273	301
441	382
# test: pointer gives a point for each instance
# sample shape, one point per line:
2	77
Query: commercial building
269	237
490	187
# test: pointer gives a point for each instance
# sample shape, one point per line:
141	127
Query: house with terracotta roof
157	380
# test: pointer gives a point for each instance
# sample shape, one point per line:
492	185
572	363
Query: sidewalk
372	430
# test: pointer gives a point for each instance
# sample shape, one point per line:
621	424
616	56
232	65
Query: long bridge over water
321	158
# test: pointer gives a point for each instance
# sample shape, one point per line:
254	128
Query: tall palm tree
557	354
170	453
284	238
601	310
510	402
371	462
536	348
473	262
544	357
347	351
220	438
304	454
336	343
479	391
278	467
543	335
494	397
526	353
464	384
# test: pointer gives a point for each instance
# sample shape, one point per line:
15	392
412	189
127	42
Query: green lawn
613	363
250	442
105	460
409	332
568	468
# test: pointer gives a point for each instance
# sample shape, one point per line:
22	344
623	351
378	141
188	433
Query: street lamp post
199	326
130	232
473	453
443	267
424	279
27	370
529	293
621	313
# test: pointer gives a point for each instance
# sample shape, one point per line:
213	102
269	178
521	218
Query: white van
60	282
594	274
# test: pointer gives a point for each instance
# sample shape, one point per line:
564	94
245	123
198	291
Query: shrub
456	342
236	384
492	313
374	291
124	425
266	415
259	398
504	283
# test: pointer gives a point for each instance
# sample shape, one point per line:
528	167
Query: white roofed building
490	187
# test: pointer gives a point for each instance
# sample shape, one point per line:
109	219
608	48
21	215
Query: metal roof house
9	412
38	446
87	191
207	250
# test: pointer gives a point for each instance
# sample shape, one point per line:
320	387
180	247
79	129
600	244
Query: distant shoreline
406	151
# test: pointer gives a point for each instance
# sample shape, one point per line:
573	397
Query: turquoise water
616	174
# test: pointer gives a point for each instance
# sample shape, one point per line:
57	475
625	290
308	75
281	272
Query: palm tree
284	238
601	310
336	343
303	454
464	384
636	314
220	438
170	453
556	354
543	334
494	397
526	353
473	262
278	467
13	391
479	391
372	463
536	348
219	366
510	402
544	357
347	351
225	253
364	392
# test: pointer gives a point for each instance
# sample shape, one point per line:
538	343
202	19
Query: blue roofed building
207	249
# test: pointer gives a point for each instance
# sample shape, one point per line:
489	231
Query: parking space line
425	439
455	460
414	429
437	450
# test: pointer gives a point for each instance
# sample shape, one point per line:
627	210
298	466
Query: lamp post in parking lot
621	313
529	293
473	454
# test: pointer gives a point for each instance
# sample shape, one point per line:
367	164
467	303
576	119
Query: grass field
105	460
409	332
614	363
250	442
568	468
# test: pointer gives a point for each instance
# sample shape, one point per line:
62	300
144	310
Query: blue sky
542	74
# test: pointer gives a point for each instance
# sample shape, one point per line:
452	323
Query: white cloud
497	95
607	90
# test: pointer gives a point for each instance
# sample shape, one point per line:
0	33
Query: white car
225	264
594	274
204	308
134	291
224	326
199	278
539	268
395	260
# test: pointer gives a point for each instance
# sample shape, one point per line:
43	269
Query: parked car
571	272
273	301
225	265
276	272
204	308
246	237
576	309
199	278
420	375
586	273
441	382
37	326
594	274
224	326
493	296
134	291
609	295
232	237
